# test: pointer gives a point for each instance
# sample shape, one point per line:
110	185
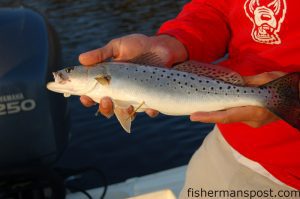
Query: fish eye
68	70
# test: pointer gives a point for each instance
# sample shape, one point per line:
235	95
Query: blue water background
155	144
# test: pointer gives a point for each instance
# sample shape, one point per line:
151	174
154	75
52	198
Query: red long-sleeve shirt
259	36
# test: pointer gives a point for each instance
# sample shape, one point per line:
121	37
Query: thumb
100	54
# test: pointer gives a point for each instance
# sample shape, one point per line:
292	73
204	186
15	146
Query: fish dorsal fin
149	58
210	70
124	118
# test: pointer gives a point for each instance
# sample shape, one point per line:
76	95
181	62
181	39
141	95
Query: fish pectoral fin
103	79
149	58
124	118
210	70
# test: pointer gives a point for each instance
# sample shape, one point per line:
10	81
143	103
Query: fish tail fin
285	101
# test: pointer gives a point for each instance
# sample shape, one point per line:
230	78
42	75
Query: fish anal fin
122	116
210	70
149	58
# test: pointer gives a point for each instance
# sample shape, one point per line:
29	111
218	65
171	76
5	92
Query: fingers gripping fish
185	89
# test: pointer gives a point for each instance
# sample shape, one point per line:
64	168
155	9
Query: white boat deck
162	185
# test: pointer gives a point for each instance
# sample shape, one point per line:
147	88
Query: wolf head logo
267	17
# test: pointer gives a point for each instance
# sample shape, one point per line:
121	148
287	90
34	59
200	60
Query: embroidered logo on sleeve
267	17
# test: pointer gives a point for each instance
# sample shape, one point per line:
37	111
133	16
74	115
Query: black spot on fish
200	81
211	88
192	78
221	88
207	81
229	87
168	77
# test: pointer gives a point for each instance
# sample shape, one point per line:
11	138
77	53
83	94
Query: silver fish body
173	92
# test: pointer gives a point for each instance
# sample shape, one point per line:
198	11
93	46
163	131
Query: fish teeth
67	94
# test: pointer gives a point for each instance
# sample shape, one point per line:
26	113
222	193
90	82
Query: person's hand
251	115
168	49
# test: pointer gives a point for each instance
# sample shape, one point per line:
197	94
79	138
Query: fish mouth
63	84
57	87
59	84
60	78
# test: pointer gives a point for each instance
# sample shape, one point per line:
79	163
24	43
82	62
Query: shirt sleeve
202	27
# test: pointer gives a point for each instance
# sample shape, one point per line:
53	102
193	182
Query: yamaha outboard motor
33	121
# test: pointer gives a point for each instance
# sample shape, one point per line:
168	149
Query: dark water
155	144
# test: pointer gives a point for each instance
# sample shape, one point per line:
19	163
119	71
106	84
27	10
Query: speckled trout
182	90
